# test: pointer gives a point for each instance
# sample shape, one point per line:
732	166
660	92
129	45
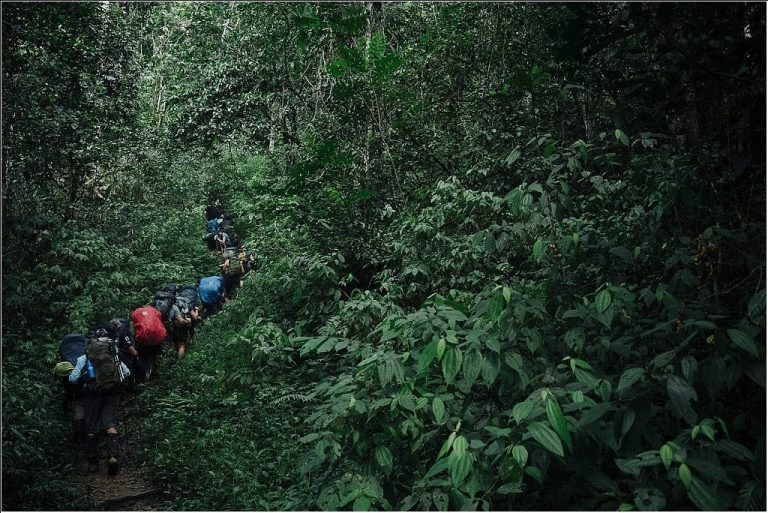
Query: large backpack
148	325
121	331
165	298
210	289
250	261
186	298
121	328
233	270
223	240
72	347
211	226
101	353
227	226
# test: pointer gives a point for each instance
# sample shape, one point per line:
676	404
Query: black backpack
121	331
186	298
227	226
165	298
72	347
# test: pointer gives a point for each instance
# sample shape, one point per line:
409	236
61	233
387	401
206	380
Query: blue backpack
210	289
211	226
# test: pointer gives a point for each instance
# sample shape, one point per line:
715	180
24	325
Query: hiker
227	225
72	347
121	332
231	270
212	293
102	373
211	227
164	301
222	240
248	260
150	333
184	315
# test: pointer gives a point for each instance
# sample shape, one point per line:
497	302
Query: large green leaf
680	395
546	437
621	136
520	455
521	411
490	368
459	465
427	356
751	496
602	301
593	414
701	495
490	243
558	422
384	458
514	360
744	341
451	363
756	306
473	364
628	378
361	504
438	408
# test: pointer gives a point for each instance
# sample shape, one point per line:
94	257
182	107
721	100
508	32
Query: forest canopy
510	255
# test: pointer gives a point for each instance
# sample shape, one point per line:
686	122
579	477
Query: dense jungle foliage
511	256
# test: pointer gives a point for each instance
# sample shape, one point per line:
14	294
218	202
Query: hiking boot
113	467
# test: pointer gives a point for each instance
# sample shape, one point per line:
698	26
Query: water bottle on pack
90	371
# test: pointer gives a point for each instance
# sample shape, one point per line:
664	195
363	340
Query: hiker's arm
181	320
133	351
74	376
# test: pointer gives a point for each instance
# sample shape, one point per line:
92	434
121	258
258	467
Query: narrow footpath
127	491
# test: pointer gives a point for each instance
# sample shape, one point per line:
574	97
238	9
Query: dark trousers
147	356
230	284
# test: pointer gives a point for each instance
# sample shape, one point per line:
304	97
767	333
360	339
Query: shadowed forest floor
128	490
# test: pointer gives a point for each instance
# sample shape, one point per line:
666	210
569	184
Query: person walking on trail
102	374
231	270
222	240
248	260
186	314
211	226
150	333
182	328
119	330
212	293
72	347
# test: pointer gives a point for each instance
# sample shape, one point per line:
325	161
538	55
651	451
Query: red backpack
148	325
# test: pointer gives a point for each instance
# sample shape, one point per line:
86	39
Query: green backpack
101	353
234	266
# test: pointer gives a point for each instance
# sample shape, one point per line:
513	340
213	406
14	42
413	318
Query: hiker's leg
92	407
110	411
92	452
78	420
181	348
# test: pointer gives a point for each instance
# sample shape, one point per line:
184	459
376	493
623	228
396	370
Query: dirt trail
127	491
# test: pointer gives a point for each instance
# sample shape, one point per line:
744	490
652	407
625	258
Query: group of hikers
119	355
